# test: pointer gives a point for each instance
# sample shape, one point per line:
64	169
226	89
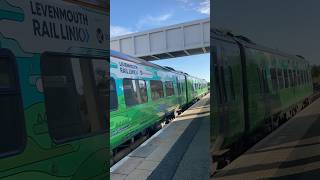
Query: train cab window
281	78
12	129
156	89
286	78
113	95
169	88
75	90
135	91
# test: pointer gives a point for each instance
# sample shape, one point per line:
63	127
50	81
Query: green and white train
143	94
53	90
254	90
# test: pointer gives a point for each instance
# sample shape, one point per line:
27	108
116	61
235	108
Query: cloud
201	6
204	7
118	31
149	20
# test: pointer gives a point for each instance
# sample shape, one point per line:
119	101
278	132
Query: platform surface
178	151
290	152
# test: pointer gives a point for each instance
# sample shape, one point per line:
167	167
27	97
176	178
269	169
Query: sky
292	26
129	16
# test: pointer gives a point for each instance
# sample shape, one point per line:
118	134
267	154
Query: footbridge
178	40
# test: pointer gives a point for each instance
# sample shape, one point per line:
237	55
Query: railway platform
178	151
290	152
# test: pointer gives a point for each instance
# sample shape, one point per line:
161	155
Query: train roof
145	63
135	60
227	35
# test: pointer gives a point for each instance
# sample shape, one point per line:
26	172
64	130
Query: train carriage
143	95
254	90
53	90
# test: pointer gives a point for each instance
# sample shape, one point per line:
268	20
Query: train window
301	77
264	81
266	85
274	79
181	87
178	86
156	89
101	73
294	77
12	129
169	88
192	87
231	83
113	95
281	79
286	78
6	80
135	91
298	77
75	91
304	76
291	78
217	85
224	89
260	79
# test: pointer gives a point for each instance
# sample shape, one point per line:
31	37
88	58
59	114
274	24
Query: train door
136	98
12	129
179	90
228	94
